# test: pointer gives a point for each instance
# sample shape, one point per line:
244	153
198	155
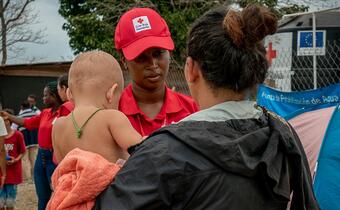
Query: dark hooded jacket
234	164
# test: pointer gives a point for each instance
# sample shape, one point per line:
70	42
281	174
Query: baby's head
95	77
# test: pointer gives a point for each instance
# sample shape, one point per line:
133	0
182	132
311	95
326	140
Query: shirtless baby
95	124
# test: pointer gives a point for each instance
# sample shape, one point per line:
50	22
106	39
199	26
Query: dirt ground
26	197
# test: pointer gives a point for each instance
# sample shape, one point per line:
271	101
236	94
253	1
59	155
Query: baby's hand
120	162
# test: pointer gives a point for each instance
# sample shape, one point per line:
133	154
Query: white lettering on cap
141	23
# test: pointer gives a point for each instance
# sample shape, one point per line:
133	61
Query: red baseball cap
140	29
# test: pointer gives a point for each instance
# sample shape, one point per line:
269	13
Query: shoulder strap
79	131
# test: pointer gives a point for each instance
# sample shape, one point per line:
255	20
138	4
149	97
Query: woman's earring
125	66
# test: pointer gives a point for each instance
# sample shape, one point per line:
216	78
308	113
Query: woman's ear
69	94
110	93
191	70
64	87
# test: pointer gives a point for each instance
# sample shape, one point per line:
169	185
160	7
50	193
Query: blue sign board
306	39
305	43
286	103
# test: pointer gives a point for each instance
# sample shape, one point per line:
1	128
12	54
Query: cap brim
136	48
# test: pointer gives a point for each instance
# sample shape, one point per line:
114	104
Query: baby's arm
123	132
56	149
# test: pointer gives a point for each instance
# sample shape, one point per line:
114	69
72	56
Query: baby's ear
110	93
69	94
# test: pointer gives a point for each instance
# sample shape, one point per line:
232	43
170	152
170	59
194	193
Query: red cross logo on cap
140	20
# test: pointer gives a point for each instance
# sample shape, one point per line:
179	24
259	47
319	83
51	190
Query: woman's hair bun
251	25
233	23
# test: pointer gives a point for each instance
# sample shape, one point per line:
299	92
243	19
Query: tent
319	132
318	127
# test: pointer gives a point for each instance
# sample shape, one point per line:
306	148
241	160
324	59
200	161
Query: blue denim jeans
43	170
8	195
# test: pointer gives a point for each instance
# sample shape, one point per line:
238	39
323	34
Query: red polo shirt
66	108
176	106
44	122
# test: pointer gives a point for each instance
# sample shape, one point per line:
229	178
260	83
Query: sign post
314	53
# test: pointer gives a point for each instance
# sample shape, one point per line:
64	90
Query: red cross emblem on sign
271	54
140	20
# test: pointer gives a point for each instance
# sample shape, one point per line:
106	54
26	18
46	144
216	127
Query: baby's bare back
96	135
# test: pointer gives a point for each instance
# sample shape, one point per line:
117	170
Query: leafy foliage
91	23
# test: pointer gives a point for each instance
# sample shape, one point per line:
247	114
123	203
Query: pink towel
78	180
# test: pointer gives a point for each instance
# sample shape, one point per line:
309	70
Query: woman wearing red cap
144	39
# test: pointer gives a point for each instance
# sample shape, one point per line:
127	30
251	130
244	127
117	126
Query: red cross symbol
140	20
271	54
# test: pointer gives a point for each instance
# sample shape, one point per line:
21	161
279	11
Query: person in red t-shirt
15	148
44	166
144	40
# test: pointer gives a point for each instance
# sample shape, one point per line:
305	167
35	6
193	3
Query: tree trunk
3	45
3	34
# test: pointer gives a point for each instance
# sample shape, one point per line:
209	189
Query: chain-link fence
293	70
290	71
176	80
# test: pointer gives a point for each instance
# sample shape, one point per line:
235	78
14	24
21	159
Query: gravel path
26	197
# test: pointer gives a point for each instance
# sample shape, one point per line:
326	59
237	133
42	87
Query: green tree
91	23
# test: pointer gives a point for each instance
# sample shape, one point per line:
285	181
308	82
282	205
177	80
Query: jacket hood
265	147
